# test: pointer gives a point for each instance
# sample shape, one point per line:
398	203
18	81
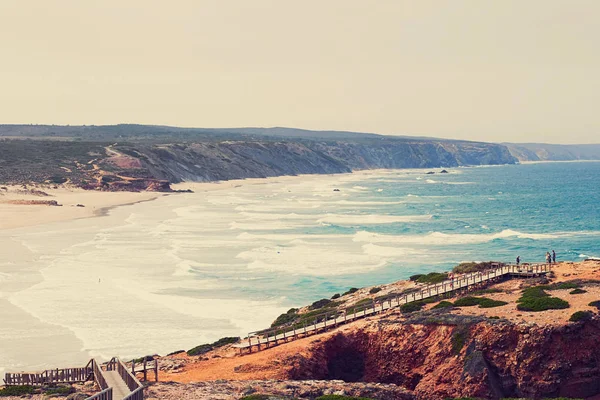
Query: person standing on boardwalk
553	257
518	260
548	258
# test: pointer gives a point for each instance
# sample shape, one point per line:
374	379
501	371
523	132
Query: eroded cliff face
478	358
256	159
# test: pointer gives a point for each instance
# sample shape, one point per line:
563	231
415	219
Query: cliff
493	352
258	159
440	358
554	152
150	160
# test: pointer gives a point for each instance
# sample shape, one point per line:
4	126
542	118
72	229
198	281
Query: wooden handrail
132	382
106	394
430	290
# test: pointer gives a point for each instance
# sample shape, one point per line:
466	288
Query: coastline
18	208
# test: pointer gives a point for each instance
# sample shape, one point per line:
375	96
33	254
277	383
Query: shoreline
22	208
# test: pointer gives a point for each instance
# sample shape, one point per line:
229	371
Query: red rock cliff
440	356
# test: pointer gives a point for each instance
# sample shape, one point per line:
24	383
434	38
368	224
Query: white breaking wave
438	238
371	219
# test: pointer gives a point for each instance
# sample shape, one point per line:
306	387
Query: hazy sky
495	70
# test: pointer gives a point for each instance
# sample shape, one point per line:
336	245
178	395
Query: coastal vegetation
17	390
205	348
482	302
581	316
432	277
578	291
595	304
469	267
411	307
536	299
443	304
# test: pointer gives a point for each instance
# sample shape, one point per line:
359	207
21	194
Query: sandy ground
16	210
564	272
226	363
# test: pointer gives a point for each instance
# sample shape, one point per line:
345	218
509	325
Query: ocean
187	269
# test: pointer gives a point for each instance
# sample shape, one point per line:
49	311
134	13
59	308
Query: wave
439	238
371	219
271	216
311	259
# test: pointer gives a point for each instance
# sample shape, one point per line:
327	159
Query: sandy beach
31	205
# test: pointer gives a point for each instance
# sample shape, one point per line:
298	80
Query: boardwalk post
145	371
155	370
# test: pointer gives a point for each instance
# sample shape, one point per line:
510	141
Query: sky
510	70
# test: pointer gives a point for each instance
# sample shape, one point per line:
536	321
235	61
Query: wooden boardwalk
115	382
329	320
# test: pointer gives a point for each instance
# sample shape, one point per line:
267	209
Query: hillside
554	152
136	157
499	350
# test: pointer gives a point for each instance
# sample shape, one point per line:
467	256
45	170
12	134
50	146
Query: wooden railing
67	375
335	317
98	376
137	394
144	367
106	394
132	382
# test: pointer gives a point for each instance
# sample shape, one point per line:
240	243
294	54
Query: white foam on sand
305	259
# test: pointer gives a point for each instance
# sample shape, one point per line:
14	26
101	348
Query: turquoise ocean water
484	213
195	267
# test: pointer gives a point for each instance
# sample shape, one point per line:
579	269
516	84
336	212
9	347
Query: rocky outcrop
300	390
487	359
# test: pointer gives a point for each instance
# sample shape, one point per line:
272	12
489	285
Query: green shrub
482	302
256	397
577	291
350	291
335	296
411	307
375	290
534	292
320	304
541	304
561	286
363	302
17	390
493	317
489	303
286	318
443	304
338	397
205	348
467	301
416	277
468	267
581	316
536	299
595	304
61	390
459	338
433	277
